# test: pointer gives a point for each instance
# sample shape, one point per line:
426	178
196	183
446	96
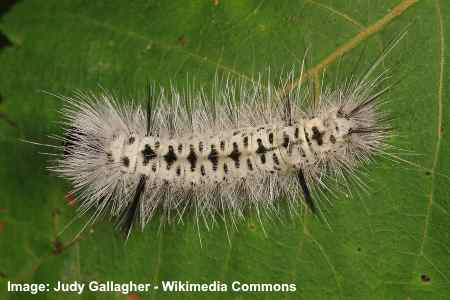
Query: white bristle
242	145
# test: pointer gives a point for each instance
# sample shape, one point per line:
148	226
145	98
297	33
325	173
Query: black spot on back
192	158
200	146
317	135
235	154
285	143
178	171
170	157
271	138
302	152
125	161
213	157
307	137
275	159
245	141
222	145
180	148
225	168
263	158
296	132
249	164
202	170
332	139
261	148
131	140
148	154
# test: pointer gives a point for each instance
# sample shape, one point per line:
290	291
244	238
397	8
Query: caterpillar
237	147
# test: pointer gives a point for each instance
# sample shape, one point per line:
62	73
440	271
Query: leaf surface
392	243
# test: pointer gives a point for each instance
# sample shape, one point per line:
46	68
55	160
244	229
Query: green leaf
392	243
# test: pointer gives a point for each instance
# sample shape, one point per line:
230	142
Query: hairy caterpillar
240	146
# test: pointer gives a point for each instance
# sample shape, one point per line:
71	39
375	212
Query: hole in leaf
425	278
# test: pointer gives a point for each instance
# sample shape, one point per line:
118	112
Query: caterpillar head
351	131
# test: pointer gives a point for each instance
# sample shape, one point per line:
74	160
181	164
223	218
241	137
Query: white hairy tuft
240	146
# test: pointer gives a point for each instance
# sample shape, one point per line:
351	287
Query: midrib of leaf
353	42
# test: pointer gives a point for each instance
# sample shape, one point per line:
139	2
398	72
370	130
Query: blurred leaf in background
391	244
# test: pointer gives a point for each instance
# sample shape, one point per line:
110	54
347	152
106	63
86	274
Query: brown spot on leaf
252	226
425	278
70	199
133	296
182	41
58	246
